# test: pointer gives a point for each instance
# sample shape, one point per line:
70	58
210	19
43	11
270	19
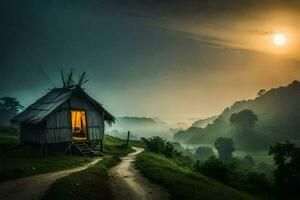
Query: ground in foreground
181	182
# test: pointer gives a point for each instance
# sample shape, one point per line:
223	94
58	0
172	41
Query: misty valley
251	147
150	100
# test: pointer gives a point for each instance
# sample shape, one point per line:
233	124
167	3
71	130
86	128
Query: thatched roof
39	110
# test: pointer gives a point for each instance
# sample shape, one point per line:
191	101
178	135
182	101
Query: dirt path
128	184
34	187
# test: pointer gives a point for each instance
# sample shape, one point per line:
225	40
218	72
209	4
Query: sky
156	58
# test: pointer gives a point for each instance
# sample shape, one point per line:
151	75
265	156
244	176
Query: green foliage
9	107
181	181
117	146
253	183
244	123
244	120
231	174
203	153
23	160
225	148
278	121
287	171
216	169
157	144
92	183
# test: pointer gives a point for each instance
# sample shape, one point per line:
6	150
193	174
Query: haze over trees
225	148
244	120
277	121
244	123
203	153
140	127
202	123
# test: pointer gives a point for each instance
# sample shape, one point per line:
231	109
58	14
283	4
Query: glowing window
78	124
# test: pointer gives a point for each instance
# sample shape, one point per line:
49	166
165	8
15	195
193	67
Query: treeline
253	124
241	173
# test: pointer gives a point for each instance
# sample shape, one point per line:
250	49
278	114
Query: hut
66	118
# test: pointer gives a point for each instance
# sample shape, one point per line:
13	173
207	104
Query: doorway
79	129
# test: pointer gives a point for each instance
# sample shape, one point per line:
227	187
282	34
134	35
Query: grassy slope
91	183
19	161
182	183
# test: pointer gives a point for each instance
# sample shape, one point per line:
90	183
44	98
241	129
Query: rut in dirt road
35	187
128	184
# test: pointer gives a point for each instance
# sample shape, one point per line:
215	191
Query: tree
10	104
9	107
157	144
244	120
204	152
215	169
261	92
225	148
287	172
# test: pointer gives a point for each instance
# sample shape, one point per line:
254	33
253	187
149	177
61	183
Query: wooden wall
58	128
58	123
33	133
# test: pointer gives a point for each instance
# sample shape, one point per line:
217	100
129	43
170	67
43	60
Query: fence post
127	141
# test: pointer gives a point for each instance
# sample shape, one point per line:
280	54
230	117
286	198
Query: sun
279	39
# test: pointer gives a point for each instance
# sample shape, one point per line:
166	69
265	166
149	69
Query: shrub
287	171
157	144
215	169
239	178
256	183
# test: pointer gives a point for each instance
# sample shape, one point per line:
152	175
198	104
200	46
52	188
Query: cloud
244	24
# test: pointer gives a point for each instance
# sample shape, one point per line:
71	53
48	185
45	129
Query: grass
181	182
91	183
115	146
22	160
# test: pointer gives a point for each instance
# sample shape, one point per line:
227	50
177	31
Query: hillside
277	114
202	123
181	182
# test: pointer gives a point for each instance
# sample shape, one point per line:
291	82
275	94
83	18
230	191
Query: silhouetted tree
287	173
204	152
10	104
244	120
225	148
261	92
244	123
9	107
